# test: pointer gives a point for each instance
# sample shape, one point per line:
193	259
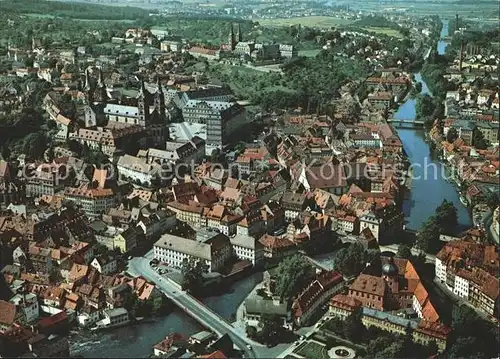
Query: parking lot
161	268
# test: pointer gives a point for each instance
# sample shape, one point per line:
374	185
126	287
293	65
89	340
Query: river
428	187
138	340
426	195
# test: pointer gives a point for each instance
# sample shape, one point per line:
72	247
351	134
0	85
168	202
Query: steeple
87	80
142	106
99	80
232	39
101	93
240	35
89	95
159	100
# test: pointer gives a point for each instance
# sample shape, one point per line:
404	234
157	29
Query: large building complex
470	271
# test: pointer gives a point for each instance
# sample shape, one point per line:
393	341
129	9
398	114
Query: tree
34	145
293	274
251	331
54	275
447	217
192	275
28	62
418	87
404	251
452	135
354	329
350	261
493	200
428	236
425	106
478	140
271	325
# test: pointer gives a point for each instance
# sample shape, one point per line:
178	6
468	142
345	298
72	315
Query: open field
384	31
444	8
311	21
309	53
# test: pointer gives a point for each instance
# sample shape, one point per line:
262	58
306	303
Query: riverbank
428	187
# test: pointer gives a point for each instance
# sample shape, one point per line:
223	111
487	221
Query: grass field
312	350
384	31
311	21
309	53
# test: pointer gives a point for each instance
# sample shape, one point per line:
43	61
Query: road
394	248
140	267
390	248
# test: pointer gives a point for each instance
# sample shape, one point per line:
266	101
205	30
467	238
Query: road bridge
192	306
405	123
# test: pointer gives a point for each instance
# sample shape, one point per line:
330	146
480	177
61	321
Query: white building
87	316
94	201
247	248
347	224
27	304
371	140
136	169
157	223
186	152
114	317
173	250
461	287
104	264
440	270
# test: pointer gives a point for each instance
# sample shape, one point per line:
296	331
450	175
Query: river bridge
139	266
398	123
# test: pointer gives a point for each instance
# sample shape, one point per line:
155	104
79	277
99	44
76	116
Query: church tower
142	106
232	38
159	100
88	89
101	93
239	34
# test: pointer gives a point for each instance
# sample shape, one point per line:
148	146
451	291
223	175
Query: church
257	51
148	110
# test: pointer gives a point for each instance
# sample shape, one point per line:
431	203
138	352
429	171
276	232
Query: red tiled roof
7	313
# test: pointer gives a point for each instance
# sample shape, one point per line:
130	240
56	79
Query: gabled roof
7	313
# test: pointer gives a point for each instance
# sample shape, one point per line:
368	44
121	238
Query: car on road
129	257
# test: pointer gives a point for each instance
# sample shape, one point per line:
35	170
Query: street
140	267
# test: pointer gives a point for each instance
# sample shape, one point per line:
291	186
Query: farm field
311	21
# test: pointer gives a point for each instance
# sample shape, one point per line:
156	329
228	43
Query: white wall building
136	169
174	250
247	248
28	305
105	264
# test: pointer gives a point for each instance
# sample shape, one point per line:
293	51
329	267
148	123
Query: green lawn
312	350
309	53
311	21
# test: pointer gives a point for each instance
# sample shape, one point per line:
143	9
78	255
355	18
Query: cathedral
234	39
148	110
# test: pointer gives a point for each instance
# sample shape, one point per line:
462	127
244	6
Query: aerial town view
299	179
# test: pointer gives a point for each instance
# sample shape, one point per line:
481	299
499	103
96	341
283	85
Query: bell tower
142	106
232	38
102	94
159	100
239	34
